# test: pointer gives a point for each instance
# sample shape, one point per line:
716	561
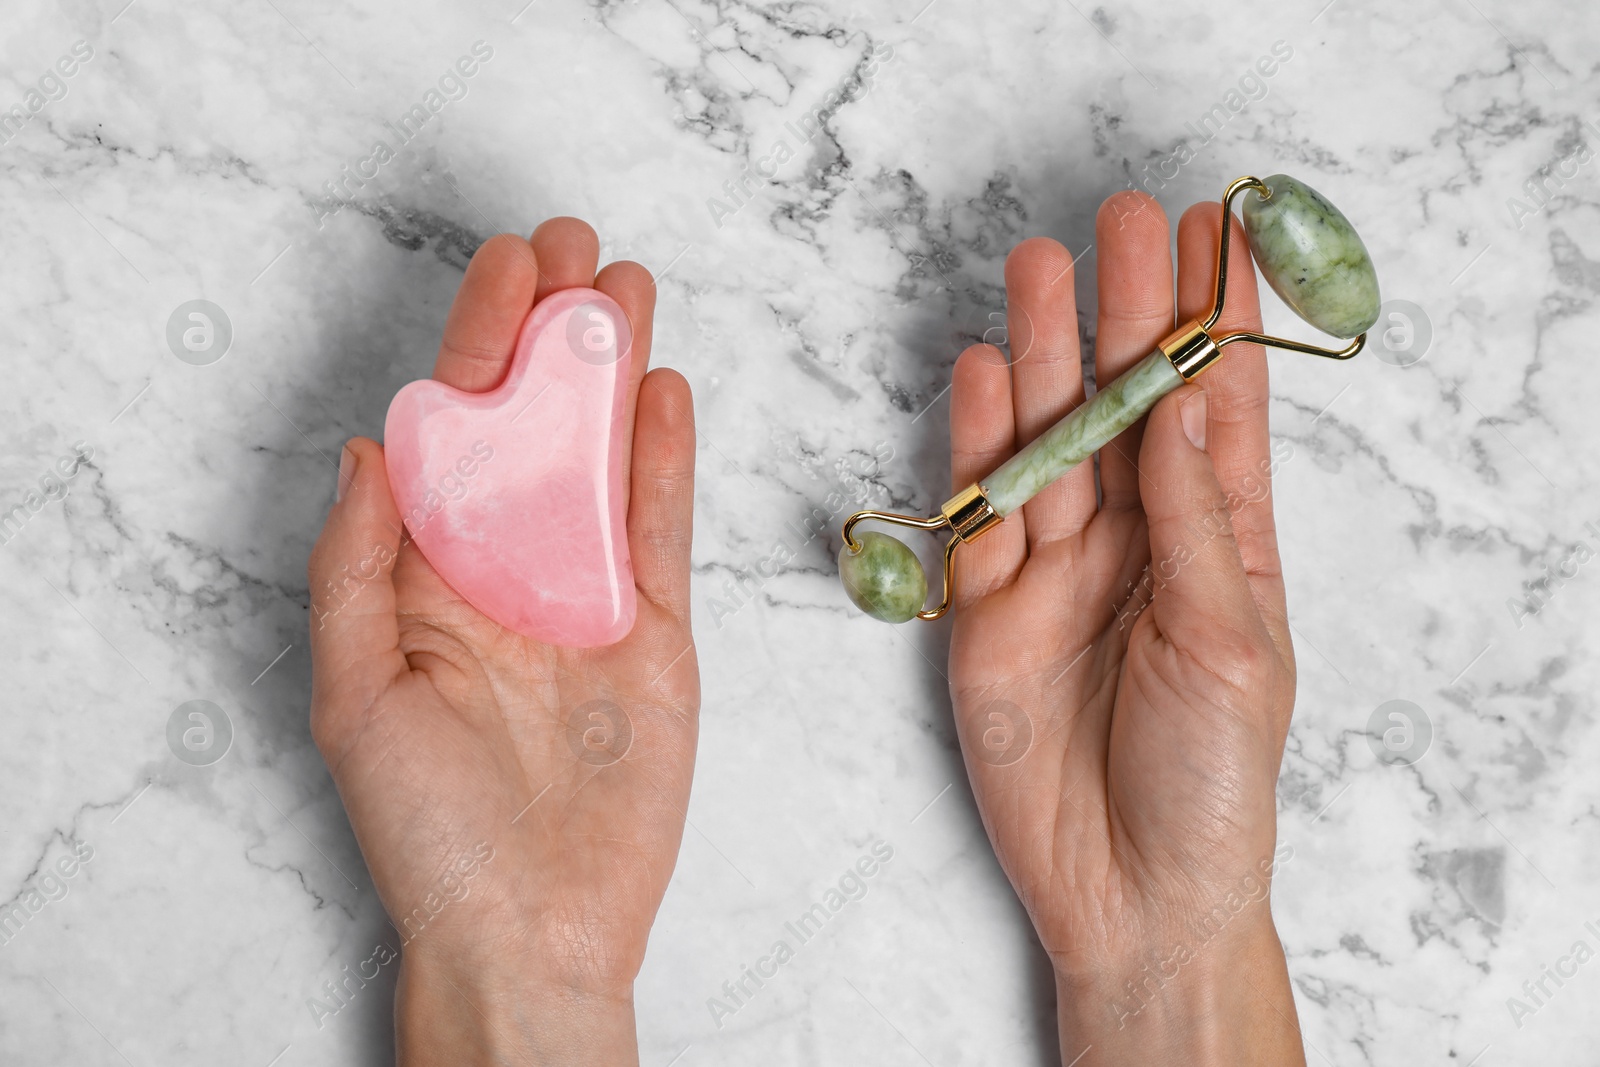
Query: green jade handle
1081	432
1310	255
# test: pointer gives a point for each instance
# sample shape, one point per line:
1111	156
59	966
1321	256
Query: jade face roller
1310	255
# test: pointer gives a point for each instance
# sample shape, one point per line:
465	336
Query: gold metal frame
1192	348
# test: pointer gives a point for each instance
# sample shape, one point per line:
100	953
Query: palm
1113	778
547	754
572	765
1146	784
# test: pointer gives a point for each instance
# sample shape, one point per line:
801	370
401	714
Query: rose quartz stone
515	495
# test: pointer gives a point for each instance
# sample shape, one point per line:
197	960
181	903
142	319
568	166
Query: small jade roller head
883	578
1310	255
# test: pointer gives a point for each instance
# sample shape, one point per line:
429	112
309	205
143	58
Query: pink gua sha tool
515	495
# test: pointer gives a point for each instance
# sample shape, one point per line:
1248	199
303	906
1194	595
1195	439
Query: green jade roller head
1310	255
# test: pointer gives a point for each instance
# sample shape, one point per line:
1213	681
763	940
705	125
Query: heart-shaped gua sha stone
515	495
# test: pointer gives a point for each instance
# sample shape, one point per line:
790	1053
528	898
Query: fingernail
1192	413
347	472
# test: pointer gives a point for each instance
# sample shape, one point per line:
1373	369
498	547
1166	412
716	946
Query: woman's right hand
1121	668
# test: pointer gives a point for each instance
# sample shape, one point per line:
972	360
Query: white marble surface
818	325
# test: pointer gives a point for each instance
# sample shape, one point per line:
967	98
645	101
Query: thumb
355	636
1202	589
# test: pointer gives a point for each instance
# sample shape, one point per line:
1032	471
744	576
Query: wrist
452	1011
1197	997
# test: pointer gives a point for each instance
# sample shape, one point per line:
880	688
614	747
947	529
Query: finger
982	436
1236	386
567	251
661	500
634	290
1046	376
355	637
495	297
1134	272
1202	594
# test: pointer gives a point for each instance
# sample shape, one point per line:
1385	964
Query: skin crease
1148	794
441	729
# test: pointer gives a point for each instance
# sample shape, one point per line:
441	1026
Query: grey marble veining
826	192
